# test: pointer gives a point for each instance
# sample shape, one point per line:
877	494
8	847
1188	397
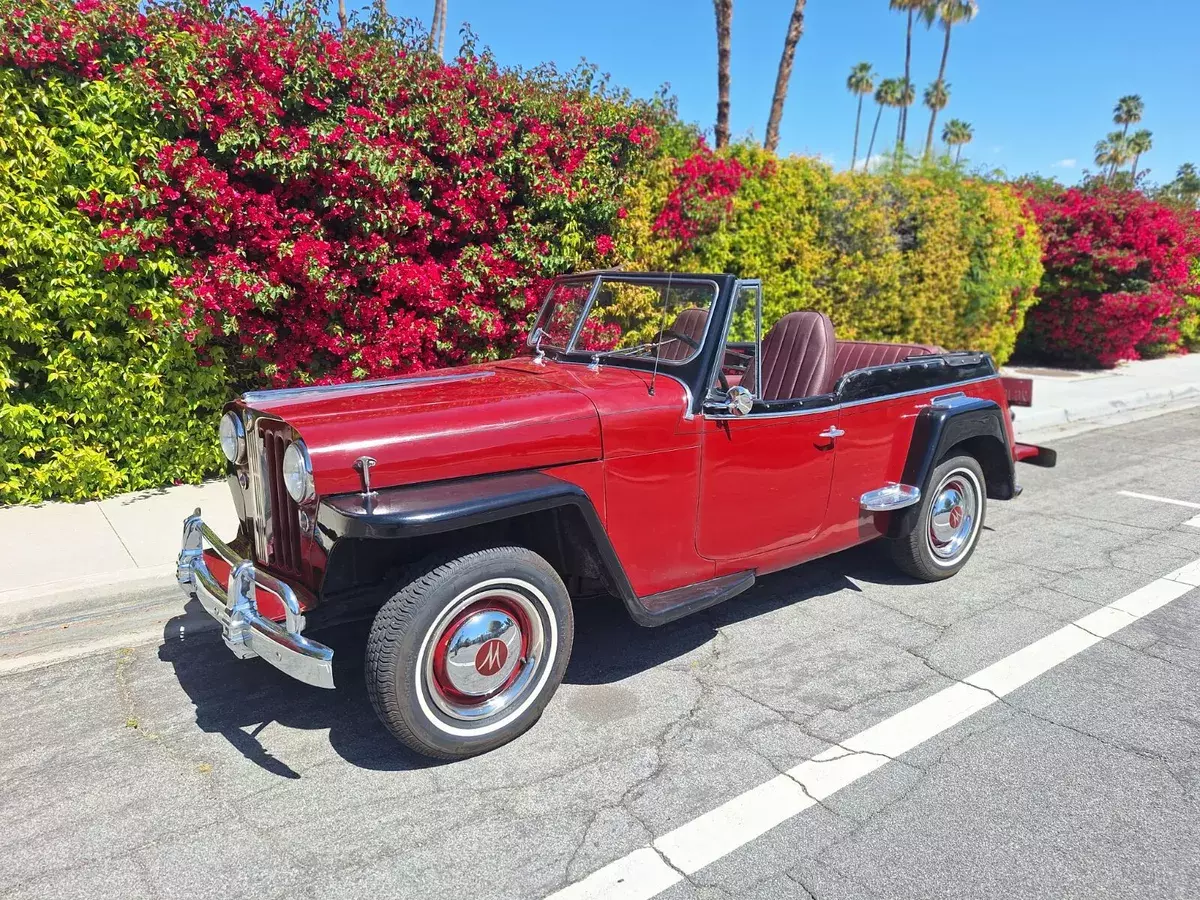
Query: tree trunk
907	75
442	33
436	27
857	125
784	76
871	146
724	11
1135	165
958	154
342	14
933	113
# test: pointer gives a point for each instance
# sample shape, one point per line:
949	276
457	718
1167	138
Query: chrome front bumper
246	631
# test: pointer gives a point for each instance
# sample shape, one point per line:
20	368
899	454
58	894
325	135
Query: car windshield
627	317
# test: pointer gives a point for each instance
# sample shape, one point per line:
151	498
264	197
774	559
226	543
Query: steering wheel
676	336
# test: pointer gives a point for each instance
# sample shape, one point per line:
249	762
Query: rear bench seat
853	355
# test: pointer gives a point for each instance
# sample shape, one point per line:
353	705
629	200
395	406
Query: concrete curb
1061	421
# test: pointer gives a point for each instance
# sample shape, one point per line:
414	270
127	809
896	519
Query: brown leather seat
797	357
688	325
851	355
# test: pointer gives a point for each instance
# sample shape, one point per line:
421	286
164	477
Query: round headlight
233	438
297	472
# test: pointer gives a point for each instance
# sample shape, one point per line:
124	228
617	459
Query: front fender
415	511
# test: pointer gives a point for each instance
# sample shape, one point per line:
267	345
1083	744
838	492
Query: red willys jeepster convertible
655	445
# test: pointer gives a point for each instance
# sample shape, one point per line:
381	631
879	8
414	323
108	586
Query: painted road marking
649	871
1193	522
1159	499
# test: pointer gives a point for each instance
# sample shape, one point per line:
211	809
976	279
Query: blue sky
1036	78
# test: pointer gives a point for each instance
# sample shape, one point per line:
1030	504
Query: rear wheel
466	656
947	527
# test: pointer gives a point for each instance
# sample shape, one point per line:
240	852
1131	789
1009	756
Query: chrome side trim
752	417
247	632
914	393
366	386
889	497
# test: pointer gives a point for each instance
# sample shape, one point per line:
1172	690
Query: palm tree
784	75
937	95
342	14
948	13
724	12
1186	185
887	94
912	7
1128	111
955	134
904	99
437	31
860	82
1112	153
1140	142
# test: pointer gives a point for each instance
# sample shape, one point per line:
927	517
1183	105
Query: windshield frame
571	351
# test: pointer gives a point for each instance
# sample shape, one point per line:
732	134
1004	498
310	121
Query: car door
764	481
764	476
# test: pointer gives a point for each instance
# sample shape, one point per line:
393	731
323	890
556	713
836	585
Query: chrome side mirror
740	401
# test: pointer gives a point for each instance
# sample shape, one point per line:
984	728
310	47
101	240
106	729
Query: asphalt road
170	769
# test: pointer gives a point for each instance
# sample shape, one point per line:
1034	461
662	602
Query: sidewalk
123	545
61	554
1069	402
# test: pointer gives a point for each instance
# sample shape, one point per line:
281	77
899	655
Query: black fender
445	507
974	422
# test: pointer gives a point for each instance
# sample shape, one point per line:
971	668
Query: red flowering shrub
1117	277
704	188
349	208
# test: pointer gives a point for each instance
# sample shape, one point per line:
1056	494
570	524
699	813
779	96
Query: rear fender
970	424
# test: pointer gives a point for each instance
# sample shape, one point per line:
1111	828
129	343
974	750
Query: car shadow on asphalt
238	699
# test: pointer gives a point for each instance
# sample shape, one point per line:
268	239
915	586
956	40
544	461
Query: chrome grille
276	515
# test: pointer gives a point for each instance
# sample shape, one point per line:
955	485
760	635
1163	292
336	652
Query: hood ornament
364	464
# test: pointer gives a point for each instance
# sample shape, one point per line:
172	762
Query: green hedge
928	255
101	392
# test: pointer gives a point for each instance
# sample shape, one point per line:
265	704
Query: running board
667	606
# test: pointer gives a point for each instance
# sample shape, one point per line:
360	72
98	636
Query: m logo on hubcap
956	517
491	657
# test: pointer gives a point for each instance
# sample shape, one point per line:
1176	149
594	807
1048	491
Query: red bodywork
683	497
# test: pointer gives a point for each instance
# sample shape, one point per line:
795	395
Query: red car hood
451	423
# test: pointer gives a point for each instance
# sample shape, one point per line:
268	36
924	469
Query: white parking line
1159	499
649	871
1193	522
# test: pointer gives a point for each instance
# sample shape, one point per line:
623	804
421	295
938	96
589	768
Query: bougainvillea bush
927	256
1120	280
293	206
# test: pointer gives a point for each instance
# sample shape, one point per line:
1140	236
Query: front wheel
948	523
466	656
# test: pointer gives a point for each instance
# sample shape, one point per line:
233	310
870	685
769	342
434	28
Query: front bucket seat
797	357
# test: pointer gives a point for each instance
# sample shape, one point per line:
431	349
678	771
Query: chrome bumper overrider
246	631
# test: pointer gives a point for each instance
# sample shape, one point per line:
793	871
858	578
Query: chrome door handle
832	432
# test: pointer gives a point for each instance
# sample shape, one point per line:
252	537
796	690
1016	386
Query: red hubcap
489	660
